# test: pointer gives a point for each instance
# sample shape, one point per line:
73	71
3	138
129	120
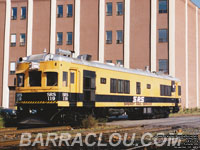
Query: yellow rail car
54	87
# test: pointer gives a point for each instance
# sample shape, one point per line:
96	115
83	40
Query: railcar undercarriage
44	115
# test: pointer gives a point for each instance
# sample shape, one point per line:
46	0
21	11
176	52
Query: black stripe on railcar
74	97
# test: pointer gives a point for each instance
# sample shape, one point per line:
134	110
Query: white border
77	28
127	34
30	28
101	29
5	98
53	27
153	34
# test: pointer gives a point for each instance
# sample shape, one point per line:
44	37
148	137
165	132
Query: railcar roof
47	57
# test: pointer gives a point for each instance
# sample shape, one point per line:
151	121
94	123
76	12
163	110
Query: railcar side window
103	80
52	78
72	77
138	88
113	86
162	90
127	87
65	77
120	86
35	78
20	80
165	90
148	86
179	90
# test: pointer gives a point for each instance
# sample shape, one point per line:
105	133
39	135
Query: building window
119	62
108	37
60	11
69	38
163	35
59	38
162	6
109	9
23	13
69	10
119	8
14	13
13	40
108	61
163	65
22	39
12	67
119	37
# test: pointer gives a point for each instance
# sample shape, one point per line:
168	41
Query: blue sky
197	2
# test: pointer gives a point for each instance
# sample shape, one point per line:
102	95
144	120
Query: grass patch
89	122
1	122
186	112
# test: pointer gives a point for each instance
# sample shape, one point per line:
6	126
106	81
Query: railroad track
11	137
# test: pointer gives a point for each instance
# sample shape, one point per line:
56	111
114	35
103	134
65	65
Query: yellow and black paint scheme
83	86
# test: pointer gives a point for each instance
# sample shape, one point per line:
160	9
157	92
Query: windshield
52	78
35	78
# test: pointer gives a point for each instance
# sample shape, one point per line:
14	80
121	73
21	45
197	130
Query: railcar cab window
52	78
20	80
35	78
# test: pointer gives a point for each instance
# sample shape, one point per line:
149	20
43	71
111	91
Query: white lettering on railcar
65	96
51	96
138	99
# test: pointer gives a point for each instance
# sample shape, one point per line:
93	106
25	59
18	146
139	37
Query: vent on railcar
85	57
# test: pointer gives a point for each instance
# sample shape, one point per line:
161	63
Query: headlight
14	112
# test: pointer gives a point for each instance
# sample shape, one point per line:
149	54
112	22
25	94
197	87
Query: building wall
140	34
180	46
162	47
113	23
192	54
41	26
89	28
65	24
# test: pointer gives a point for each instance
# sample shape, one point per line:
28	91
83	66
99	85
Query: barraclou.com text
115	139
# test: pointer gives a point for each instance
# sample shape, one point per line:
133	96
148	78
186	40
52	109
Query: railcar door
73	84
89	85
